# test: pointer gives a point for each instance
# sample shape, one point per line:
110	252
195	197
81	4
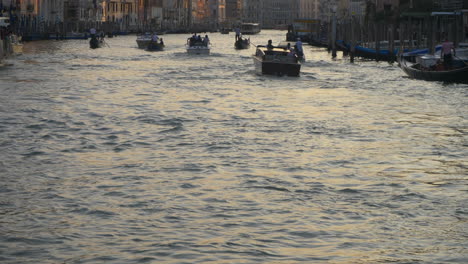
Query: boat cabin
275	54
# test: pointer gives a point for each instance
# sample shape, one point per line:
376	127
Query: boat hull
155	47
242	44
200	50
276	68
143	43
95	43
459	75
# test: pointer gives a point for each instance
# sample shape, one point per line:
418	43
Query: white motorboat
198	46
144	40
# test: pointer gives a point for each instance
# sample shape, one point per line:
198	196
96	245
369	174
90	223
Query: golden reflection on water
181	158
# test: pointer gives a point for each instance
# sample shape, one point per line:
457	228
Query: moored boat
276	61
242	43
250	28
430	68
198	45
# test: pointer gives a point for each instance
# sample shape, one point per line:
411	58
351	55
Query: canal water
118	155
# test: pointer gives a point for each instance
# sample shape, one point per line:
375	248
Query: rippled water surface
118	155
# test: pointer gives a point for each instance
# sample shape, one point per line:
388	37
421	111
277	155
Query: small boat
195	46
143	40
430	68
155	46
95	43
275	61
250	28
242	43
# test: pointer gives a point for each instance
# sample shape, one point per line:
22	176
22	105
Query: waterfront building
278	13
327	8
351	8
175	14
149	15
252	11
217	13
308	9
233	11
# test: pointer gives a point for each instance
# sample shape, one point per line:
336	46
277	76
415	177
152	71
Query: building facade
279	14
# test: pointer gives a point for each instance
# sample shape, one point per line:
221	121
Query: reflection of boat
430	68
242	43
143	40
250	28
275	61
197	47
155	46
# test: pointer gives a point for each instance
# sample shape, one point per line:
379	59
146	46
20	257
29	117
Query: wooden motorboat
197	46
276	61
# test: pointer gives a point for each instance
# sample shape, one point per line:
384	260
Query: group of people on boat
295	51
197	40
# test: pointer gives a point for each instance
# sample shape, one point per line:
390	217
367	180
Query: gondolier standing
447	48
238	33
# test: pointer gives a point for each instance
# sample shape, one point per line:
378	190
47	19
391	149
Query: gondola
456	73
95	43
242	43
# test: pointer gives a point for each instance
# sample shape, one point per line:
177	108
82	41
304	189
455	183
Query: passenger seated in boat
269	45
161	42
206	40
193	39
292	53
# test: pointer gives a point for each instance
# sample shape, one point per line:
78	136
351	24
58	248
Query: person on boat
155	38
206	41
299	47
92	32
288	47
269	45
238	33
446	52
292	52
199	38
161	41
